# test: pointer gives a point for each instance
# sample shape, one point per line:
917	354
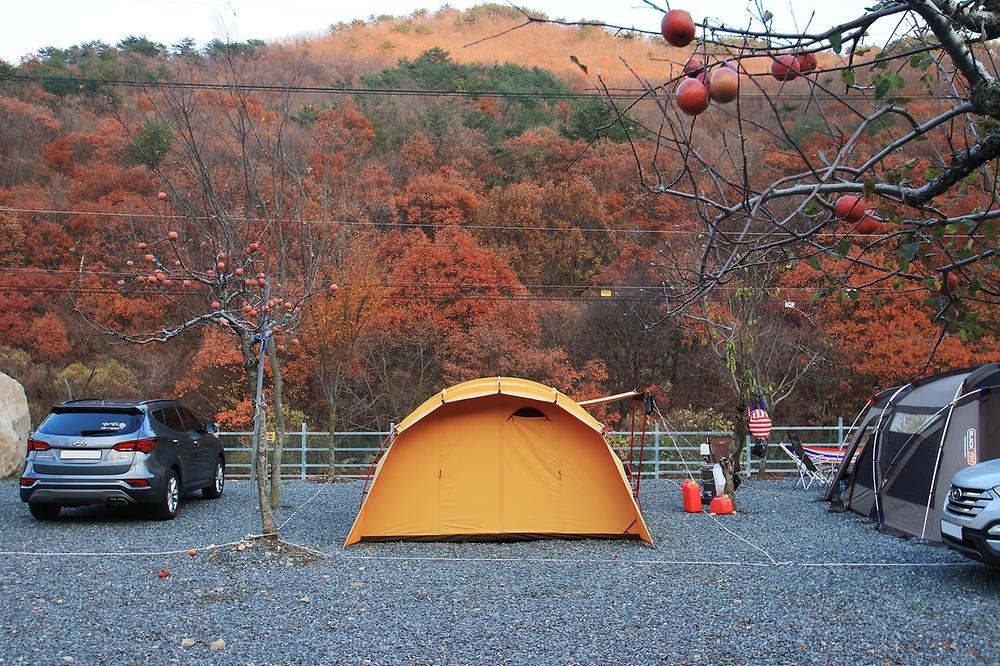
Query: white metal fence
305	453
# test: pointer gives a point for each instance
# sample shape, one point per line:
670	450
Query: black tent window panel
529	413
912	483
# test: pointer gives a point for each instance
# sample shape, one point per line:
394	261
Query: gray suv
970	522
121	453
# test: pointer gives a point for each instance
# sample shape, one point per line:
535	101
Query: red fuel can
721	505
691	494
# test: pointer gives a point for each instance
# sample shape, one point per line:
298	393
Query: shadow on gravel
104	514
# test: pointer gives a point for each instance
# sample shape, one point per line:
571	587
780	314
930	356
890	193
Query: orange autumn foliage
444	197
889	339
216	370
49	340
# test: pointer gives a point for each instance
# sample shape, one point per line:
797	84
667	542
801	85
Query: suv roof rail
102	401
119	403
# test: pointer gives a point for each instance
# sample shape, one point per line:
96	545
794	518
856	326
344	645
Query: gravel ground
567	602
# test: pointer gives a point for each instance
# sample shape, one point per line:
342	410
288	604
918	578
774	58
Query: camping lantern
713	482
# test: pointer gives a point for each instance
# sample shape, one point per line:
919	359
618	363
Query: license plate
84	454
951	529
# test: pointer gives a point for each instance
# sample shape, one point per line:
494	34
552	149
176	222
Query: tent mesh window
914	480
529	413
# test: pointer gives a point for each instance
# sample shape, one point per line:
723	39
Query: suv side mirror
210	428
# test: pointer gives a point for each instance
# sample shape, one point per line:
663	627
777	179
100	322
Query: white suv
970	523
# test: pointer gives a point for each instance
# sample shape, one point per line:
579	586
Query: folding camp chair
808	472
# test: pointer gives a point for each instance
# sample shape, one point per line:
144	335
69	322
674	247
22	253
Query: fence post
302	451
656	449
746	449
840	431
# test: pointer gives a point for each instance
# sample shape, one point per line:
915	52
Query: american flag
759	423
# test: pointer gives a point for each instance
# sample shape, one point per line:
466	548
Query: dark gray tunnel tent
866	423
899	469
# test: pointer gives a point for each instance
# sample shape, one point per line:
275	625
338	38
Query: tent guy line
505	560
303	505
719	523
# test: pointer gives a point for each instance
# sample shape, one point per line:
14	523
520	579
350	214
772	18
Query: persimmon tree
826	146
909	126
759	343
222	244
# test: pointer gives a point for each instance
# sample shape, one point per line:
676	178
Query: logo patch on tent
971	454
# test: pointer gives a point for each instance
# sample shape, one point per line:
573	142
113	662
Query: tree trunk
331	426
731	464
250	364
763	460
279	424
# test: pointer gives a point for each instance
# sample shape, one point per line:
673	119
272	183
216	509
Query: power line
448	288
346	223
613	93
430	225
431	298
344	90
67	272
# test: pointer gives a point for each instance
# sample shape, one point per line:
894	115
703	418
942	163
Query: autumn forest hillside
400	205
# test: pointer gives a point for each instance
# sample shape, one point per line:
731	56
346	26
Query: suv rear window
168	416
89	424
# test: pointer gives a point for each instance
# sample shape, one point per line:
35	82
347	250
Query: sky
32	24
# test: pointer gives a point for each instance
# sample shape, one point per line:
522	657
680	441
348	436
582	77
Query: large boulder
15	424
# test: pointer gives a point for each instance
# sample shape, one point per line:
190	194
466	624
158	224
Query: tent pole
878	447
937	461
844	460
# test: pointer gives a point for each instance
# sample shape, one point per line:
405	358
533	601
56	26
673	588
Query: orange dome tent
498	458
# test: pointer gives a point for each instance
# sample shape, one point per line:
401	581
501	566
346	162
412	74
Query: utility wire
429	225
436	290
613	93
348	223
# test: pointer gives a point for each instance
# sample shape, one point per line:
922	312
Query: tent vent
529	413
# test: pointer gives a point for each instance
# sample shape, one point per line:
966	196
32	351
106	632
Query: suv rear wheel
214	491
44	511
166	508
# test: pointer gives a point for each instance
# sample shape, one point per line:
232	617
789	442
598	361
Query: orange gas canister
691	494
721	505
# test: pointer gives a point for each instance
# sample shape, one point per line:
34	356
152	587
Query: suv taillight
36	445
145	445
25	481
